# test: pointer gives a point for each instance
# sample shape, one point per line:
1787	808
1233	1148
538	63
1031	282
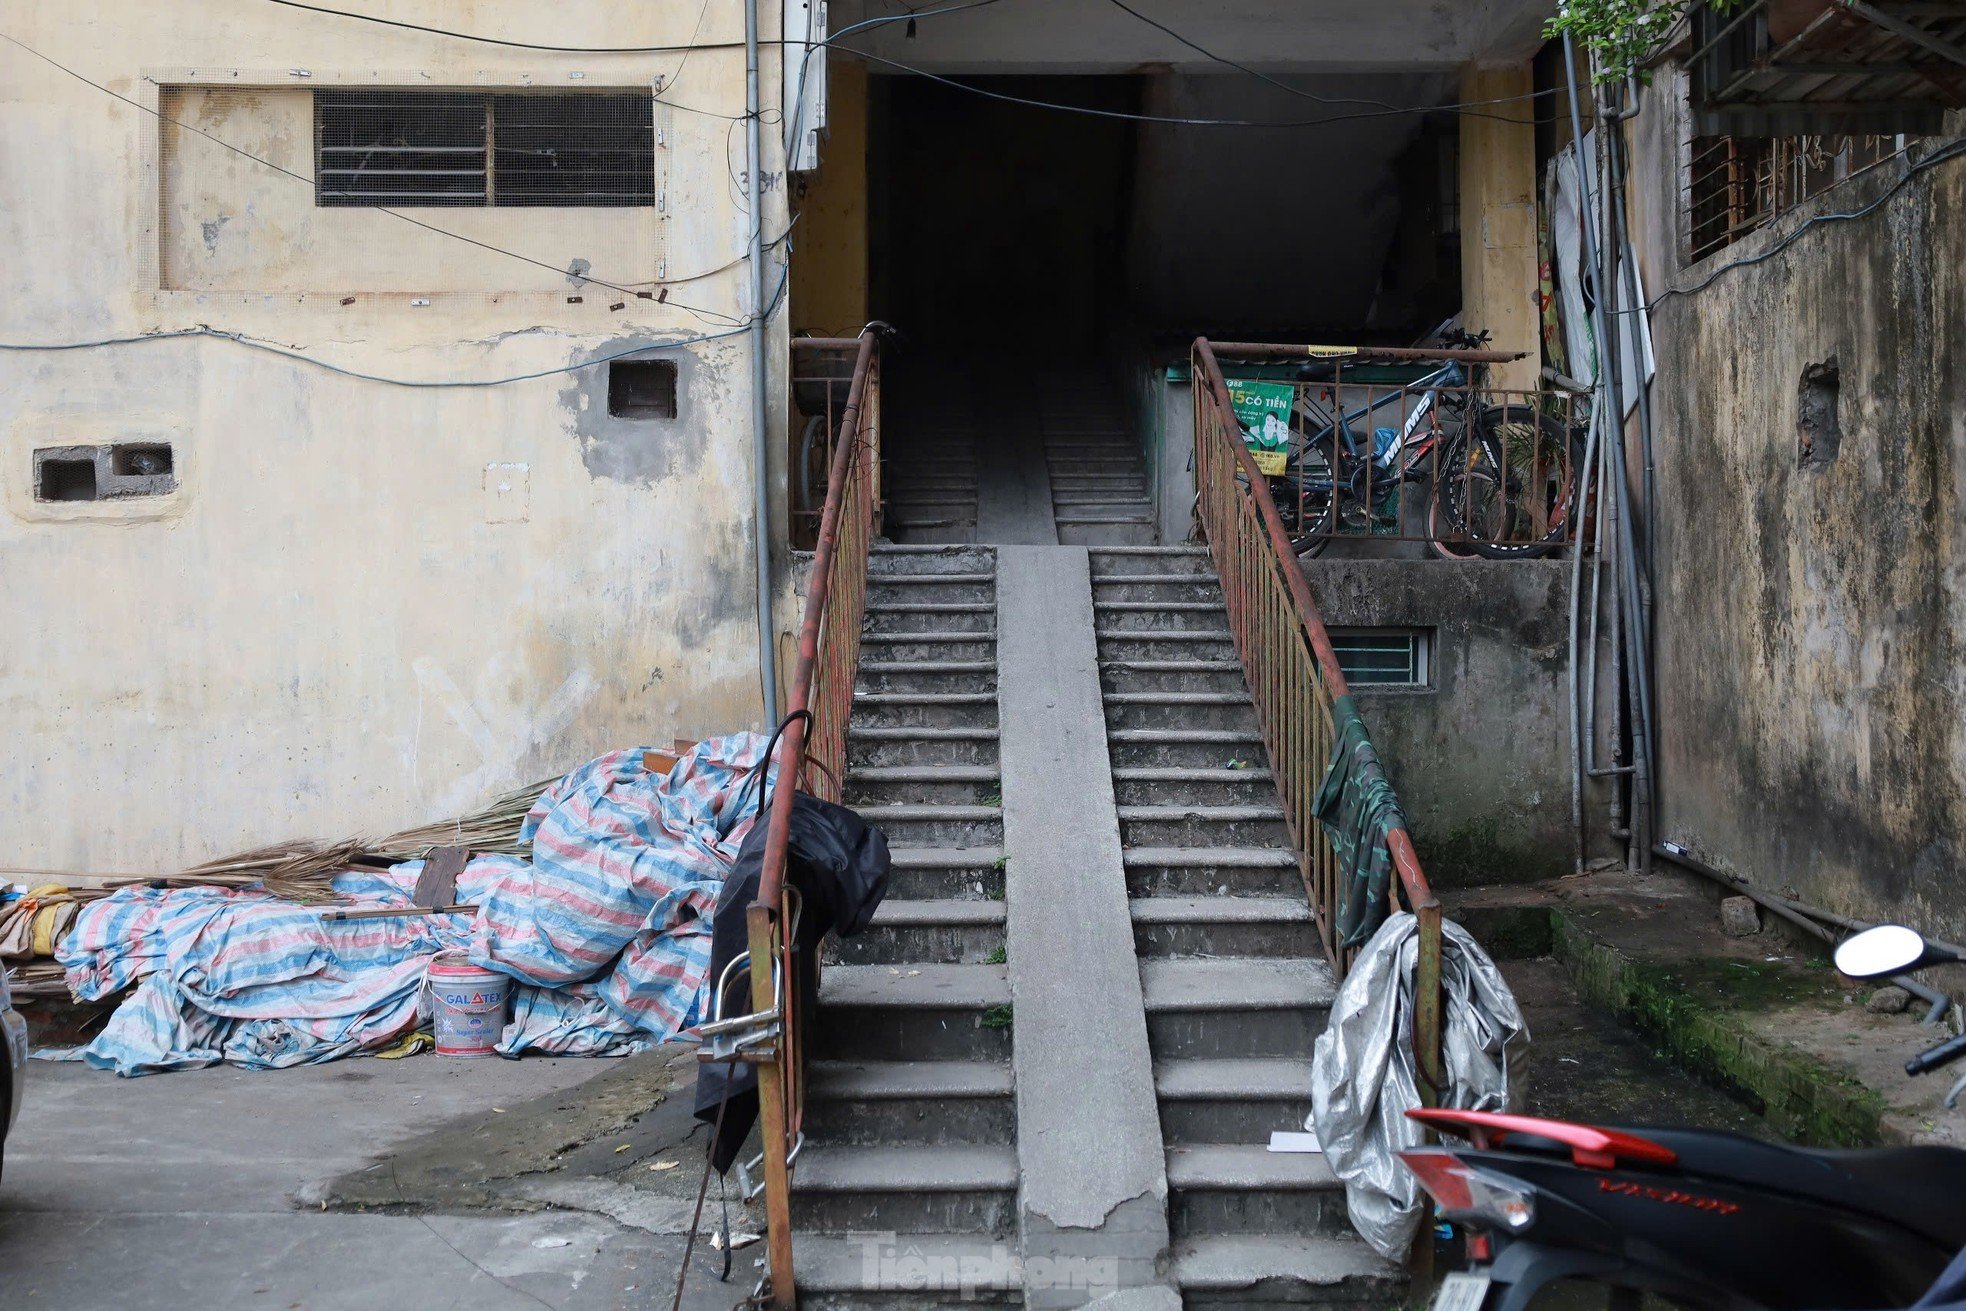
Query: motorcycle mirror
1880	952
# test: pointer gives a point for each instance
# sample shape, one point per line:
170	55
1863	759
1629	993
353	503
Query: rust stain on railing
812	755
1294	680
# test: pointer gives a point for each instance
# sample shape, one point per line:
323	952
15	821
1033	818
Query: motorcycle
1706	1219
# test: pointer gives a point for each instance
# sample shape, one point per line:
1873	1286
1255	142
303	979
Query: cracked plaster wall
365	605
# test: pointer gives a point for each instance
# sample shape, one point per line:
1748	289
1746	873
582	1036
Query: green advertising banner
1263	410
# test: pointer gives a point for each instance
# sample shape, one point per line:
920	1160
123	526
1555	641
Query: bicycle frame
1340	423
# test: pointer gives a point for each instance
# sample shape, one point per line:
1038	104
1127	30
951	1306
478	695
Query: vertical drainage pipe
761	510
1611	403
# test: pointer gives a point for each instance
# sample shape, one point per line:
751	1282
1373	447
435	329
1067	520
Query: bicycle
1501	477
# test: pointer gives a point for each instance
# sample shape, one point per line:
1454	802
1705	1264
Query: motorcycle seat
1922	1189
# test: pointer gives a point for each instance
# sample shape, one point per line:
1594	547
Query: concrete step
942	932
1223	927
1107	512
937	826
1205	871
1232	1101
970	587
926	676
946	785
1170	676
925	709
1226	710
1244	1188
895	1102
931	617
911	501
1239	1008
1190	588
905	1272
1160	616
1263	1270
1174	559
1147	786
1208	644
1078	532
888	560
916	1013
935	873
928	646
936	1188
1184	748
1079	501
906	521
1259	825
920	746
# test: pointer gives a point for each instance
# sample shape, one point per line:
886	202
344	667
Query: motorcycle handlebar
1933	1057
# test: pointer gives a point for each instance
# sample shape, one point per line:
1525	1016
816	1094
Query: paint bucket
467	1005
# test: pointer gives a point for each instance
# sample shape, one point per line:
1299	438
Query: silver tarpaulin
1362	1071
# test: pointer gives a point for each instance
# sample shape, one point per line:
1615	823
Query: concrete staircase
1235	986
931	473
910	1172
1099	488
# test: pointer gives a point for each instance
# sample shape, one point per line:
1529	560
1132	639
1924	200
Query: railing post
771	1111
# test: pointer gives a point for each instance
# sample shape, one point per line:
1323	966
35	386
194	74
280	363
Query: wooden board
437	884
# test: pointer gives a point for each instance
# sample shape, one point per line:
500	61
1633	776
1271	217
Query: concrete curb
1805	1100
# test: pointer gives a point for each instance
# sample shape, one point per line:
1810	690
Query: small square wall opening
642	389
64	477
141	460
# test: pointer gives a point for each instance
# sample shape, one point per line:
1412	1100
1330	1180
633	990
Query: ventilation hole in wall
141	460
1819	435
64	478
642	389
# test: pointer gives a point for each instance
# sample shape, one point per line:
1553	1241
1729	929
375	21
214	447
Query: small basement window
1384	657
642	389
587	148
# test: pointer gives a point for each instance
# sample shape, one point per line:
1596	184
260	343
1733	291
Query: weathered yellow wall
1498	218
829	264
366	605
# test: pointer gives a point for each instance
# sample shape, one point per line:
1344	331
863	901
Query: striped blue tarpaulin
606	931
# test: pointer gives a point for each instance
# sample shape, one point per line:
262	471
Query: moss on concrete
1694	1011
1475	852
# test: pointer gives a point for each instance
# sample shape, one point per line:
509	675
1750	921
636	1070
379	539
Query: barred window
381	147
1737	184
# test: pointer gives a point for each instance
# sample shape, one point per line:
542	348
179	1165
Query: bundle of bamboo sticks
304	870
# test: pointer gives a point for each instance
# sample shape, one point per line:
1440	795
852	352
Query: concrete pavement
229	1189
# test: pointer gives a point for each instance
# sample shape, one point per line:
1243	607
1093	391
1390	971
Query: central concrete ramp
1092	1195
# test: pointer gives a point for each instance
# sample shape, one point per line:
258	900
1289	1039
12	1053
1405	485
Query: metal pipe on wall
1596	256
760	411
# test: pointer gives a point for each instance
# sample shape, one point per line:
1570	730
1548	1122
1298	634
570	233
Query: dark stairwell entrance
1047	270
998	232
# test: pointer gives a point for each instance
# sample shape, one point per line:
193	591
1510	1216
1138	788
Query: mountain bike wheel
1459	483
1305	496
1522	510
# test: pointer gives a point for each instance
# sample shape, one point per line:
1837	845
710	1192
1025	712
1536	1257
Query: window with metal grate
1384	657
410	148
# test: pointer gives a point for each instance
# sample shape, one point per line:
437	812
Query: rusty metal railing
1294	681
812	755
1408	445
823	370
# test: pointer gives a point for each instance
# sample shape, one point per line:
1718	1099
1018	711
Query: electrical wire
1471	107
1933	160
254	343
626	289
1208	54
1178	121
